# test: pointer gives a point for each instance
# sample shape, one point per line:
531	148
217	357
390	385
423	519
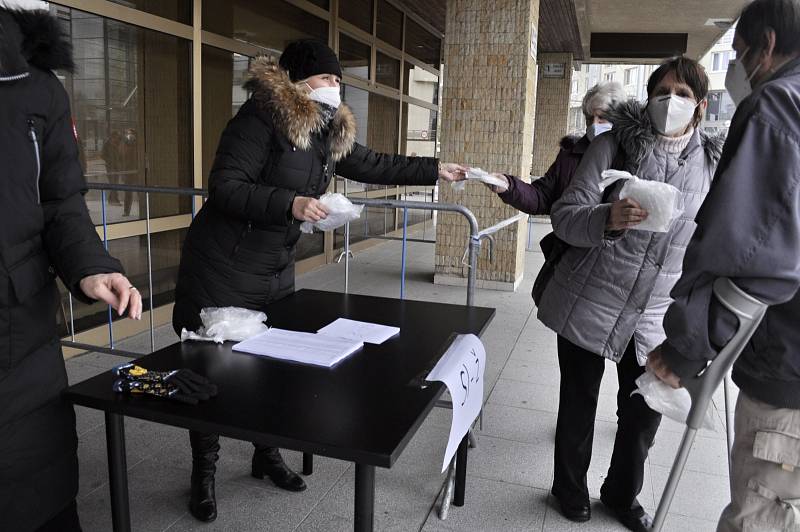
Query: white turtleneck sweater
675	145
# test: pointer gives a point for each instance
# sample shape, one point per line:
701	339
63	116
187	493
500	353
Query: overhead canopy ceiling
611	29
618	31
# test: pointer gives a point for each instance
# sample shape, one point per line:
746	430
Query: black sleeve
233	186
69	236
367	166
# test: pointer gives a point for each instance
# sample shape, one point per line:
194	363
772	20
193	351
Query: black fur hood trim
634	131
37	40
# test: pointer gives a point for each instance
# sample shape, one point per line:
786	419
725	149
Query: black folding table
364	410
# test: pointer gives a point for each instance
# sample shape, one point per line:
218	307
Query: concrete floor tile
708	455
525	395
519	424
699	495
158	498
525	464
680	523
494	506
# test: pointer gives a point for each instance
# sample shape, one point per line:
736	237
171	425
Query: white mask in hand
671	113
595	130
327	95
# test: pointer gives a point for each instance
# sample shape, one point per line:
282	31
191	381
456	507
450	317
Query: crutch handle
749	311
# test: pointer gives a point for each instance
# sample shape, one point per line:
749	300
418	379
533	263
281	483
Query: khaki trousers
765	477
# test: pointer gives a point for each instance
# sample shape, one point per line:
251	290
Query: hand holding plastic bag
671	402
662	201
340	211
227	323
477	174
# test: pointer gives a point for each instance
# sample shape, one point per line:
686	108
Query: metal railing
146	191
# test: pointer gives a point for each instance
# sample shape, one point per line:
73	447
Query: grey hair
601	97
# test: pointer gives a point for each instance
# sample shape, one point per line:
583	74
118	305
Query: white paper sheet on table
369	333
307	348
461	370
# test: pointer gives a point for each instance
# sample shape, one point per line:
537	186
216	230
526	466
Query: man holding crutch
749	230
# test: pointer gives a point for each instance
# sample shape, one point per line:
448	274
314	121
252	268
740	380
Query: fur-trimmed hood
32	38
634	130
293	112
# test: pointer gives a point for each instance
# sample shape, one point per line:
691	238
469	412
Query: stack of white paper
369	333
308	348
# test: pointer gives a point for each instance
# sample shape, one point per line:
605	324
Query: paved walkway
509	473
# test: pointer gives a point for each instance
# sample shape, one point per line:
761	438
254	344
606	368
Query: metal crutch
749	312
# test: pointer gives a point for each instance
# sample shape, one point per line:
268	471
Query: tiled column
552	108
488	109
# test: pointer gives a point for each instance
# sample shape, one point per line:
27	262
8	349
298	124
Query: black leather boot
203	502
268	461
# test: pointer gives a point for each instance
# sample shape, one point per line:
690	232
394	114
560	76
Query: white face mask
595	130
738	81
327	95
671	114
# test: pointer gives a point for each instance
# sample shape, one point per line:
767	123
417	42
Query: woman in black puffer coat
275	158
46	232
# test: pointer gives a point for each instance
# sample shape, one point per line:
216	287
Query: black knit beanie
308	57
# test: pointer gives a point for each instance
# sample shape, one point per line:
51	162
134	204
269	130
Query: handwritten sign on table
461	370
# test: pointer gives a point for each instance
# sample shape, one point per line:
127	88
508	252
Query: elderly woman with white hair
537	197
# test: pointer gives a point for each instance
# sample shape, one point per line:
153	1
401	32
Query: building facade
157	81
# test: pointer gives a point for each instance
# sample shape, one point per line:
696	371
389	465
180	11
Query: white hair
600	97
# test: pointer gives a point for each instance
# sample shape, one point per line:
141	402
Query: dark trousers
581	373
65	521
205	445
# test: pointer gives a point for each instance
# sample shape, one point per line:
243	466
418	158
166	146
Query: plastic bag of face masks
662	201
666	400
340	211
227	323
478	174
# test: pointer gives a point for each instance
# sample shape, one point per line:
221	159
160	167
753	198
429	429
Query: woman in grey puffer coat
610	290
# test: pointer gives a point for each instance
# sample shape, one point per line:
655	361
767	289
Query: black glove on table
182	385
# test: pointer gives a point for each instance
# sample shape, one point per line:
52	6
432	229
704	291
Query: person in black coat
275	158
46	232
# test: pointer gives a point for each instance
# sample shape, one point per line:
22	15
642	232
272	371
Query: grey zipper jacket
609	288
749	230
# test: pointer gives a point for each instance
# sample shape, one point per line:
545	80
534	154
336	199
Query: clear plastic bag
227	323
477	174
340	211
671	402
662	201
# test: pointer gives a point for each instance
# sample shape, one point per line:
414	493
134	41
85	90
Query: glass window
130	97
420	84
420	126
357	13
377	118
177	10
132	251
354	57
390	24
269	23
422	44
630	76
387	70
324	4
223	95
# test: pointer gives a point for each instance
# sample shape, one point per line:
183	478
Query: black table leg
117	472
308	464
365	498
461	472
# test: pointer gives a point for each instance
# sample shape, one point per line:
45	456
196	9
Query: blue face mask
598	129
